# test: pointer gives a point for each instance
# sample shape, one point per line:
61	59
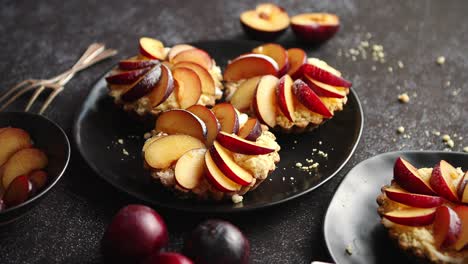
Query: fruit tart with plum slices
161	78
214	154
425	211
284	89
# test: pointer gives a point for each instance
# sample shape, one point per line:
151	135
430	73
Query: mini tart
418	240
259	166
143	105
304	118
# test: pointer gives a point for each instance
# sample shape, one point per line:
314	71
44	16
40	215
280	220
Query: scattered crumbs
270	179
394	139
368	35
398	87
349	249
400	64
374	68
404	98
298	164
450	143
295	141
400	130
456	92
323	154
108	147
284	178
465	149
147	135
440	60
437	133
120	141
309	160
390	69
320	142
315	165
445	138
237	198
292	178
284	168
313	150
447	83
293	147
426	133
125	152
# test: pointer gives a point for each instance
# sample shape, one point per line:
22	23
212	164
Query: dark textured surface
41	38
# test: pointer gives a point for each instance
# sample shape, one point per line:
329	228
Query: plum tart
425	211
284	89
215	153
161	78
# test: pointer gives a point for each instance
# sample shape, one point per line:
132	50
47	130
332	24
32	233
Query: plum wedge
161	153
180	121
237	144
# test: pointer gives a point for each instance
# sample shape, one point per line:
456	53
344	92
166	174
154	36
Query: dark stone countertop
41	38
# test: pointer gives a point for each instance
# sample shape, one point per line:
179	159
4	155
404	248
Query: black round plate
352	219
100	125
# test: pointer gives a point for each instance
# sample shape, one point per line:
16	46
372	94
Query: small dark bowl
48	137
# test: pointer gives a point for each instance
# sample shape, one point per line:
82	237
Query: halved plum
267	22
315	27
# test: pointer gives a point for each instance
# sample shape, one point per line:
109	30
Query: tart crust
260	166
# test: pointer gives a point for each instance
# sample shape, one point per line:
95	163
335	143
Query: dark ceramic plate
48	137
352	219
100	125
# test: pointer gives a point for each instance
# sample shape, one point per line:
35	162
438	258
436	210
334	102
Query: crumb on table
440	60
404	98
349	249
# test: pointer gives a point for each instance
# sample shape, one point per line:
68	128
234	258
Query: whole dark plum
217	242
135	232
167	258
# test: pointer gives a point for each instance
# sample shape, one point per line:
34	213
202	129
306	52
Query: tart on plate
284	89
160	78
425	211
211	154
